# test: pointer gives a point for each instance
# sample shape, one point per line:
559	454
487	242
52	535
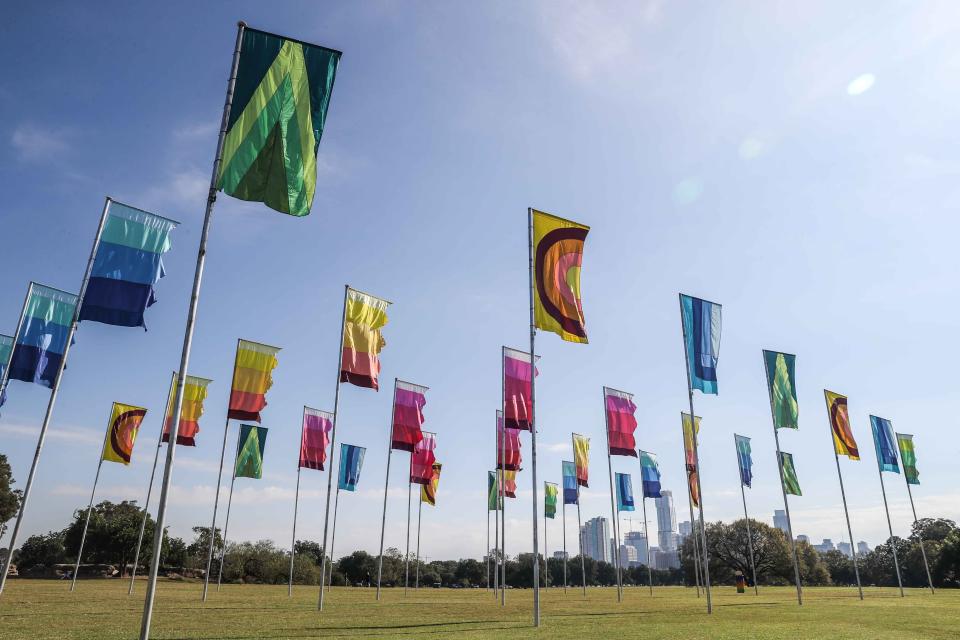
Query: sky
794	162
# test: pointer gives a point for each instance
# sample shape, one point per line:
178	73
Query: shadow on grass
380	630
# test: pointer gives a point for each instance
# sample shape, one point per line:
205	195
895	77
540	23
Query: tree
358	568
198	549
40	550
309	549
729	552
813	572
9	498
947	568
112	534
840	567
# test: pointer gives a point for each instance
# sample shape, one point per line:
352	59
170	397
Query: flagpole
893	543
5	376
546	567
533	431
501	428
54	390
216	504
86	523
488	533
746	518
226	523
496	532
293	535
696	461
416	584
406	558
919	537
843	496
333	534
693	533
187	342
647	536
613	506
564	545
333	440
576	483
386	484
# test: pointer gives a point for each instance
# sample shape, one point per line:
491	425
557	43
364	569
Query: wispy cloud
34	143
64	434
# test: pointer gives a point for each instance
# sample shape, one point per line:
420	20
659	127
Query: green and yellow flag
782	383
492	502
550	491
250	447
279	107
790	482
908	457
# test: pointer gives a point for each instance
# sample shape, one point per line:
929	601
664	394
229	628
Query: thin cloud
63	434
34	143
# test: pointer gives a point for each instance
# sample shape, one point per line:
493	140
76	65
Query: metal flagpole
187	342
54	390
647	536
5	376
583	566
503	538
496	534
564	546
693	524
613	506
333	533
893	543
533	431
501	429
843	496
546	566
293	535
406	557
86	523
146	504
919	537
488	535
226	523
216	504
333	440
416	583
696	462
746	518
386	484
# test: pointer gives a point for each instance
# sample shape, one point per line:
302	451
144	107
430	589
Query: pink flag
408	402
422	459
517	405
316	438
508	446
621	423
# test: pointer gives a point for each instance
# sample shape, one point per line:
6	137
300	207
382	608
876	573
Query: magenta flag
422	459
408	402
621	423
316	438
508	446
517	407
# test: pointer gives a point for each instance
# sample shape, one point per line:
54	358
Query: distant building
845	549
665	559
561	555
596	539
629	557
826	545
666	520
638	542
780	520
685	530
863	547
803	538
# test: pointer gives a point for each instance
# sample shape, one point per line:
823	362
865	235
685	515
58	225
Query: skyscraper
685	530
638	541
596	539
666	521
863	547
780	520
844	548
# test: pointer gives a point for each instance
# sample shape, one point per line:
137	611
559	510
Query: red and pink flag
408	402
508	446
517	376
315	439
621	422
422	459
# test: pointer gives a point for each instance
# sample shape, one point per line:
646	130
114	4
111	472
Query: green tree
43	550
946	571
197	550
358	568
112	534
840	567
9	497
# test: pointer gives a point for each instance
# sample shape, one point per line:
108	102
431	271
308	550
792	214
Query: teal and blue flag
650	475
744	459
569	483
885	444
351	461
127	266
6	349
624	492
42	338
701	328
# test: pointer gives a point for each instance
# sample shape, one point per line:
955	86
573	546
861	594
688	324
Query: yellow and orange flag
581	458
690	456
122	431
844	443
557	257
252	378
364	317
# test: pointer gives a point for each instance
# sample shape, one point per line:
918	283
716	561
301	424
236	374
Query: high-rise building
863	547
638	541
780	520
844	548
561	555
685	530
803	538
826	545
629	557
596	539
666	521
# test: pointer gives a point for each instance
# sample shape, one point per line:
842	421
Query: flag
509	484
408	402
422	459
690	457
315	438
364	316
492	491
624	492
558	255
194	393
508	446
884	443
843	442
42	337
782	386
127	266
252	378
790	483
569	483
908	456
517	403
280	101
621	422
649	475
581	458
250	446
6	348
122	431
351	462
701	329
428	491
549	500
744	460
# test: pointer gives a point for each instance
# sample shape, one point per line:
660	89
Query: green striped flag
782	383
491	491
790	482
279	107
250	446
549	499
908	457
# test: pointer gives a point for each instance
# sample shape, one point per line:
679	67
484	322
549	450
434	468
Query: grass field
101	609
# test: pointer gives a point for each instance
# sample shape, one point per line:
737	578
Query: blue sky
795	163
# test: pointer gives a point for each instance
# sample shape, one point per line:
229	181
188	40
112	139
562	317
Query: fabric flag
517	404
790	483
351	462
122	431
558	256
42	338
884	443
581	458
621	422
194	393
6	348
363	341
127	266
690	457
550	491
650	475
252	378
491	491
509	484
250	447
315	438
744	460
508	446
423	458
624	492
569	483
279	107
428	491
843	441
782	385
908	456
701	328
408	402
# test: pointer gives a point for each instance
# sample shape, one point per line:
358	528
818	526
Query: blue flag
885	443
701	328
744	459
42	339
624	492
351	461
569	483
650	475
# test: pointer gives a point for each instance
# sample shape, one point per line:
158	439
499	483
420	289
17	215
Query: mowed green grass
101	609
